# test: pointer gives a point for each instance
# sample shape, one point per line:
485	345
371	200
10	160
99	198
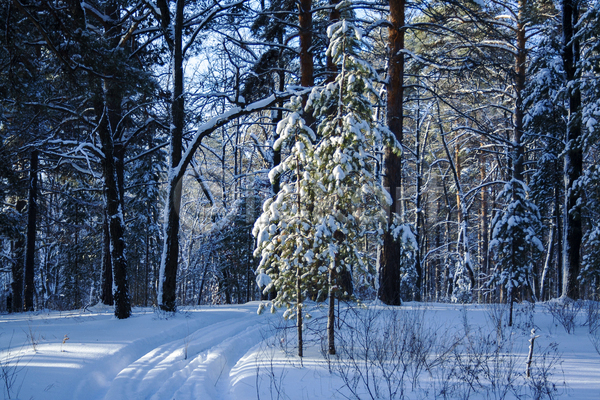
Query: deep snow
230	352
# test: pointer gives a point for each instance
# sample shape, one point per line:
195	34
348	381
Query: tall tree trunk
547	261
418	206
106	296
520	70
31	232
306	56
484	228
109	132
573	158
463	221
334	16
17	266
462	244
331	311
278	117
299	321
559	238
167	291
389	253
307	78
116	224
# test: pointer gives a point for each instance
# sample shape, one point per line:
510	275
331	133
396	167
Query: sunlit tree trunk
389	253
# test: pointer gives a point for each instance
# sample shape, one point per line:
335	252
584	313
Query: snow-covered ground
426	351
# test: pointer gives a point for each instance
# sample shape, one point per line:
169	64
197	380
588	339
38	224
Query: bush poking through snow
565	311
592	308
33	338
9	373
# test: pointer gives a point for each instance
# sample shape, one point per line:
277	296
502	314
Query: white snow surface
232	354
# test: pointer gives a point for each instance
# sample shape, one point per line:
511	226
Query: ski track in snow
231	354
143	357
164	373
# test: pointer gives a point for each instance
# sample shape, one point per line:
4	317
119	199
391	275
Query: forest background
136	141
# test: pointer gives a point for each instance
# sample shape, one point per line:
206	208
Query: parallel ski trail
164	372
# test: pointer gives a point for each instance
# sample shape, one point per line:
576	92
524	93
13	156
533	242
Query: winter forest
302	155
169	153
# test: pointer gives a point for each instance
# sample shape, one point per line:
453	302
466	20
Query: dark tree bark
389	254
31	232
307	78
334	16
573	158
167	295
109	130
559	239
116	225
484	226
107	278
520	71
17	267
306	56
518	151
419	220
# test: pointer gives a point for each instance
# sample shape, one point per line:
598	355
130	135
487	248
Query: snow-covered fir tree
589	183
588	71
515	240
310	233
590	271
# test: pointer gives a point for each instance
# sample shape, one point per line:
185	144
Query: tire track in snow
163	373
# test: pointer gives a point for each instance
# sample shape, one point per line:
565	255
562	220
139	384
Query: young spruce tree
310	232
515	240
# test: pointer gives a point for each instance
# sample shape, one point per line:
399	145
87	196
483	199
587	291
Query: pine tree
545	127
284	230
515	240
309	234
590	271
589	183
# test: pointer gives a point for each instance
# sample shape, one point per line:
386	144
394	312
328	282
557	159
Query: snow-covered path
165	372
188	356
231	353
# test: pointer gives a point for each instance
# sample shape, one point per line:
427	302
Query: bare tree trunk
116	223
167	294
559	242
331	313
334	16
573	158
306	56
389	253
31	232
107	278
418	206
484	228
511	294
463	247
109	132
520	70
17	266
299	320
547	262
